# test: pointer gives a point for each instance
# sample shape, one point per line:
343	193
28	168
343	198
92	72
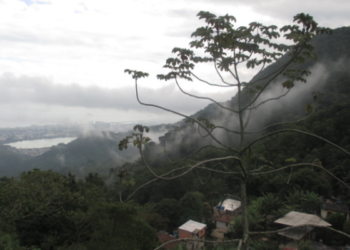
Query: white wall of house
323	214
221	225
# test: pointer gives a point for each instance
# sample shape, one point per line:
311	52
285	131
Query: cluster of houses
224	213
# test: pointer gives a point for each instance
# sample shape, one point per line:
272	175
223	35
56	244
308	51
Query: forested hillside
329	75
79	157
46	210
10	161
92	151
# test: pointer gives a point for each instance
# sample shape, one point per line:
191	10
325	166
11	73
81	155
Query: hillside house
334	206
304	224
225	212
193	229
164	237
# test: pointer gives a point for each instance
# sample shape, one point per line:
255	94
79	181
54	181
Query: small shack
225	211
334	206
193	229
164	237
304	224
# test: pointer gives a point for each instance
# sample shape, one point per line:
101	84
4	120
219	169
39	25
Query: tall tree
228	50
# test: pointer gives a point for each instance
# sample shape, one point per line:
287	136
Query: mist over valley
98	142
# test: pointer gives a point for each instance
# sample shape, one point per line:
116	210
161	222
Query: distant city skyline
63	61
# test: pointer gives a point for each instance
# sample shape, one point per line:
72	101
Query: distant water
42	143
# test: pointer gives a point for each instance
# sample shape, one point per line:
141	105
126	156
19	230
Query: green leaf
288	84
290	160
136	74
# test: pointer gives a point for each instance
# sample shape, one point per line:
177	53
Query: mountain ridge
333	52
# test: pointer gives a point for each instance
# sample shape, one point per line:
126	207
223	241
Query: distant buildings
8	135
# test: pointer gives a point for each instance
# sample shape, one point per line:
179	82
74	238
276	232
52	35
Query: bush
304	246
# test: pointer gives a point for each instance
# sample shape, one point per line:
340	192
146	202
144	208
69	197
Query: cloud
296	100
332	14
38	90
40	97
30	2
47	47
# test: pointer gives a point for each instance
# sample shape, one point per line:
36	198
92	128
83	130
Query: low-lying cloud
43	91
25	94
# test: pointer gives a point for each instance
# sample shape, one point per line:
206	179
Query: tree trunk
244	213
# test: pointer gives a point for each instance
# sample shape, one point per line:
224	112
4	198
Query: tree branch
219	171
197	240
301	165
211	176
179	114
222	79
288	228
221	127
271	99
213	84
190	169
247	121
277	73
295	131
145	184
204	98
281	123
187	157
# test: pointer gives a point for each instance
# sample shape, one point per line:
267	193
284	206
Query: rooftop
295	219
191	226
230	204
342	208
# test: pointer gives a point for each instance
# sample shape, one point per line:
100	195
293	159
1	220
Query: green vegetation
47	210
87	206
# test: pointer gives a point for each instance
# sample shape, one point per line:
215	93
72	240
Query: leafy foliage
47	210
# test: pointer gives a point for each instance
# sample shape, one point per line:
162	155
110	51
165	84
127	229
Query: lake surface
42	143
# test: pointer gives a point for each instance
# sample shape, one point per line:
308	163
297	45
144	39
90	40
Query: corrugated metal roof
191	226
230	204
298	219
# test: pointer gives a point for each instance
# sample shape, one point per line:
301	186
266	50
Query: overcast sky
63	61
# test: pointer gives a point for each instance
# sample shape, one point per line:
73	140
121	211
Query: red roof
164	237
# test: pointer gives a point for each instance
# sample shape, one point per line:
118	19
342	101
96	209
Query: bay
41	143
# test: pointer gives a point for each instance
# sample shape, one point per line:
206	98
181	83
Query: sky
63	61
